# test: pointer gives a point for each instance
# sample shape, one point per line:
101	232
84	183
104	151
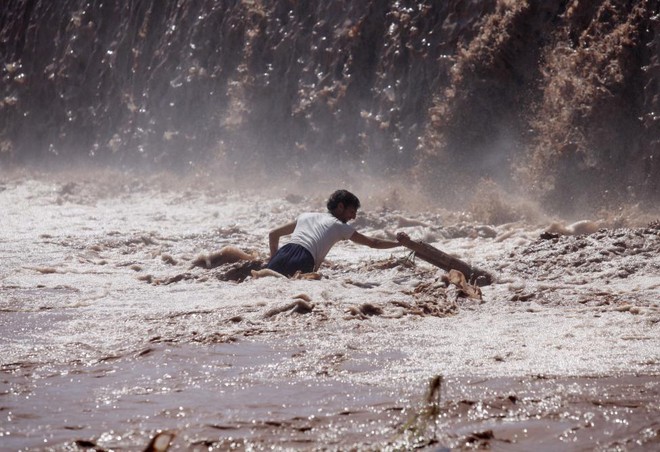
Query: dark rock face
561	96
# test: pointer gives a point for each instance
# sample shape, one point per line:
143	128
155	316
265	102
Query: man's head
344	205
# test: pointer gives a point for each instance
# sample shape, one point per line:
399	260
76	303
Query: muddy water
110	335
212	394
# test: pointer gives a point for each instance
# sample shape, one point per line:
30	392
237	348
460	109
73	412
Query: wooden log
443	260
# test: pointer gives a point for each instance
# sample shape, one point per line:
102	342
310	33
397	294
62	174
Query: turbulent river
110	335
137	138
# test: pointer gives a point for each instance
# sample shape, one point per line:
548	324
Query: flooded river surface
110	334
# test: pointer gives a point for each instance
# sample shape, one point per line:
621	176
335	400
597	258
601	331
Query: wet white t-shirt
318	232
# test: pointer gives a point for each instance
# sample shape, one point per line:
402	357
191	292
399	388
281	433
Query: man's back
318	232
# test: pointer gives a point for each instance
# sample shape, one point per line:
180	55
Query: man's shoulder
312	214
325	218
317	216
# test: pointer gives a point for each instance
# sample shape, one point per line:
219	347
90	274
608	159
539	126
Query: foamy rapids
110	335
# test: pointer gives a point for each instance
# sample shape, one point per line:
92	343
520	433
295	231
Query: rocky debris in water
87	444
370	309
363	285
160	442
365	310
554	267
464	288
303	296
429	299
481	439
238	271
171	279
168	259
227	255
548	235
149	279
578	228
520	295
386	264
588	254
299	306
219	338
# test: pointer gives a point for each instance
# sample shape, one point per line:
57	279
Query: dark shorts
290	259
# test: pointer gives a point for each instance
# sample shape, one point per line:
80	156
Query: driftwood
443	260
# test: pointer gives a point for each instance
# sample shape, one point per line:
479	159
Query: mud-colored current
110	335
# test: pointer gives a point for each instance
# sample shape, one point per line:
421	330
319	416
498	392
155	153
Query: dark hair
345	197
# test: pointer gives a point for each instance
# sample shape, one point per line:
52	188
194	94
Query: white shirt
318	232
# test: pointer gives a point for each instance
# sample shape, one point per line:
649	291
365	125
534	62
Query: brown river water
109	335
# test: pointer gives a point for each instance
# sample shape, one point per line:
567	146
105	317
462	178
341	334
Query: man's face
345	214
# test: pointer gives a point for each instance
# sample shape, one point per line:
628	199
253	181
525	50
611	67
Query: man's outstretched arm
378	243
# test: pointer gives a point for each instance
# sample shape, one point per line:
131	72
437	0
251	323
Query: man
313	234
